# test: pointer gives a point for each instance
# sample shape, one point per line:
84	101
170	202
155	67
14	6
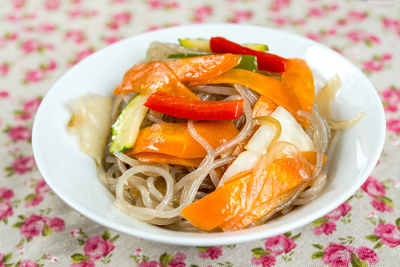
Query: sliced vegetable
279	177
149	157
219	206
263	107
266	61
199	69
257	47
201	44
292	132
126	127
174	138
245	161
90	121
299	78
247	62
269	87
204	44
183	107
269	132
147	78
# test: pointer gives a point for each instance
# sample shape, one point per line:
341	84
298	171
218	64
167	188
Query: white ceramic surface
72	174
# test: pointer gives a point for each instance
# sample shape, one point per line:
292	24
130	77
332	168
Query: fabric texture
41	39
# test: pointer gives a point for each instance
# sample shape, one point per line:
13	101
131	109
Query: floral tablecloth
42	39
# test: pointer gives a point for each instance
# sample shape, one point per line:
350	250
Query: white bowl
72	174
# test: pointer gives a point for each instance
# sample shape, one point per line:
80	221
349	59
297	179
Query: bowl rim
212	238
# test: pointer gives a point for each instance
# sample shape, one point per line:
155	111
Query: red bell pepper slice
265	61
183	107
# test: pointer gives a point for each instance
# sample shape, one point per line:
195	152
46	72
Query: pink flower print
373	65
326	228
380	205
29	46
33	226
41	187
201	13
280	21
313	36
77	36
265	260
315	12
367	254
4	68
277	5
389	23
150	264
52	4
34	201
5	209
340	211
119	20
389	234
76	232
355	15
18	3
84	264
391	98
4	94
211	253
393	125
111	39
6	193
27	263
11	36
22	165
155	4
29	109
373	39
241	15
386	56
355	36
279	244
96	247
47	27
19	133
337	255
175	263
82	54
57	224
34	76
180	257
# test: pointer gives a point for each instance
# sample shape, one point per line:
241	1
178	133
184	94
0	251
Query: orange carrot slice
175	140
147	78
202	68
281	176
219	206
263	107
299	79
269	87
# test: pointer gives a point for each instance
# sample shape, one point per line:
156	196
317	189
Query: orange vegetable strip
219	206
281	176
174	139
148	157
299	79
260	211
264	85
263	107
147	78
202	68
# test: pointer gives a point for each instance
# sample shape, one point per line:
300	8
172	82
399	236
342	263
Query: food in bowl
211	135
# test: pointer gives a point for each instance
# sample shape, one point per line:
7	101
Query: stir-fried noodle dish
211	135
